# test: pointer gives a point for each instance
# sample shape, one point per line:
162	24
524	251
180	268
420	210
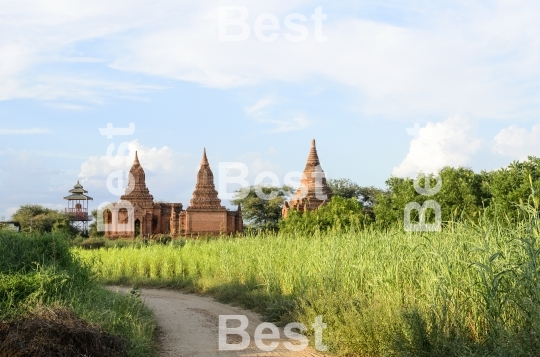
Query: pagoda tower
206	215
136	214
136	190
77	210
205	196
132	216
313	191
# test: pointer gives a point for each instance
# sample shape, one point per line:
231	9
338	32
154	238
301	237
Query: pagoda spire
205	195
313	158
313	190
204	160
136	161
136	190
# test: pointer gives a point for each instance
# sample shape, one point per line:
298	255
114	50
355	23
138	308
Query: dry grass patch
56	332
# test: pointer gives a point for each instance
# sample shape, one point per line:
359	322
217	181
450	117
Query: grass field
39	271
465	291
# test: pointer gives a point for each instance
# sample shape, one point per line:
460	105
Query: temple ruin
313	191
137	213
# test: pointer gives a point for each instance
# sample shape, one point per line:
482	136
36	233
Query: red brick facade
137	214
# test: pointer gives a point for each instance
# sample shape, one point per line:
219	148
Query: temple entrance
137	228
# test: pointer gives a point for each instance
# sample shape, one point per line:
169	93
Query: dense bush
38	219
339	214
40	269
25	252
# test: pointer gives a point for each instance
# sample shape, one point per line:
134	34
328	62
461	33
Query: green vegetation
261	205
466	195
469	290
339	213
472	289
38	270
38	219
348	189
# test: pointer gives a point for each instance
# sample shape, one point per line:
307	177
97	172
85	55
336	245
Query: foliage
38	219
514	186
93	227
346	188
340	213
463	196
261	205
469	290
40	270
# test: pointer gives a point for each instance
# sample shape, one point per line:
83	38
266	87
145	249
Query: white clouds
261	112
517	142
168	172
479	59
8	131
446	64
162	161
452	142
38	36
296	123
27	179
257	109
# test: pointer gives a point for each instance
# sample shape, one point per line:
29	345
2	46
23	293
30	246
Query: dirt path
190	324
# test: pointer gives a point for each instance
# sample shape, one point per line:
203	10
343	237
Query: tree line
506	194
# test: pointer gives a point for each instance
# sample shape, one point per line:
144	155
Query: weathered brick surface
137	211
313	191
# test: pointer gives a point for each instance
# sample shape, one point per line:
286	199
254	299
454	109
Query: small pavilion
77	210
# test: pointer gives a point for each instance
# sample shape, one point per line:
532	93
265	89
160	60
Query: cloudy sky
385	87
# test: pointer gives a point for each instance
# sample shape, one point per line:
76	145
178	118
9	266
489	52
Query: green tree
36	218
339	213
346	188
463	196
262	205
391	204
93	228
515	185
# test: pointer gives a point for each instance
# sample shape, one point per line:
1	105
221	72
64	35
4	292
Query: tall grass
39	269
465	291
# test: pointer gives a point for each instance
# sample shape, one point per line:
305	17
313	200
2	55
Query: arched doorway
107	216
137	228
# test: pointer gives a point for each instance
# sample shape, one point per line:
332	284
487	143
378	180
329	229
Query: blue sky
467	73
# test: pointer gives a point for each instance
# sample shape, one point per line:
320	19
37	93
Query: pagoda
77	210
206	215
136	190
136	214
205	196
313	191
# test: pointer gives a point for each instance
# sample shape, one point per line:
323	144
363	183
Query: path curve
189	326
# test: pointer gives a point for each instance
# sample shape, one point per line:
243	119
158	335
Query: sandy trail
189	326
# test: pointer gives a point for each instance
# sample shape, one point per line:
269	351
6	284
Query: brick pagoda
313	191
137	213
